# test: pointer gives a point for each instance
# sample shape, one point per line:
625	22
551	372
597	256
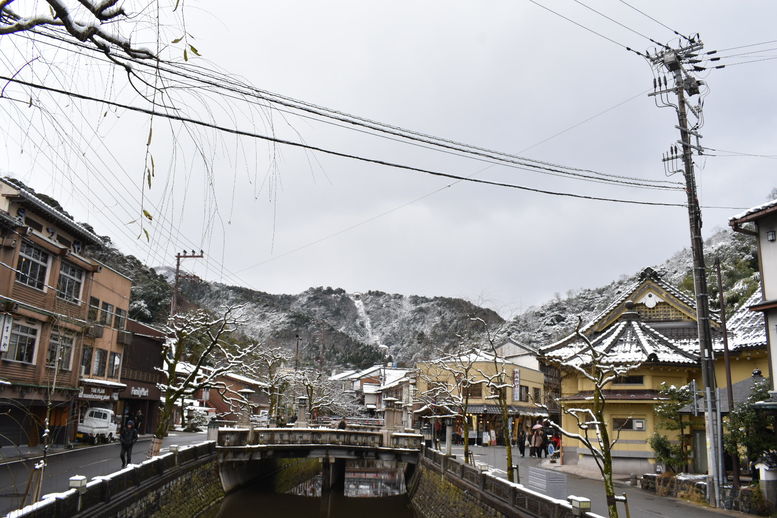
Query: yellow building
651	326
447	385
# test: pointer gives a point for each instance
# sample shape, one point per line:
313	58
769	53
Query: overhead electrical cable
220	81
570	20
331	152
655	20
620	24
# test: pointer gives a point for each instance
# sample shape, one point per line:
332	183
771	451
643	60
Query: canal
370	490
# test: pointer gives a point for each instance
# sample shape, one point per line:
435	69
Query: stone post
448	435
302	412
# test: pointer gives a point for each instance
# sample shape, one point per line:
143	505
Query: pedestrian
139	421
545	442
341	424
522	441
536	442
127	437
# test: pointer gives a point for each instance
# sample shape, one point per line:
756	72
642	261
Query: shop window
61	343
22	343
114	366
71	280
33	265
100	362
86	361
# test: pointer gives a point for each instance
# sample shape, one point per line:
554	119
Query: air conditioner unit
124	338
94	331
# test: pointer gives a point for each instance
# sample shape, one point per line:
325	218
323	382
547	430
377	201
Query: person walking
522	441
536	442
127	437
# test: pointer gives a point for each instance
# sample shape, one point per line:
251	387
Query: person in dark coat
127	437
341	424
522	441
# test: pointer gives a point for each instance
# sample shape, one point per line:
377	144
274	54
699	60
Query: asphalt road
90	462
642	504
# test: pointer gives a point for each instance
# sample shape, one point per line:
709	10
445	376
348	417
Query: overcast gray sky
505	75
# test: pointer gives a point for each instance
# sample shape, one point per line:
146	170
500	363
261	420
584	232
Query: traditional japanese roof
747	328
342	375
617	395
650	322
754	213
41	206
629	341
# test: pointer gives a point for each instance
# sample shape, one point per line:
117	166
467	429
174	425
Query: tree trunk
512	474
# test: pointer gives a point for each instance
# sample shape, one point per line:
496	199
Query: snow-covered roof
648	274
104	383
3	382
245	379
753	212
747	329
73	227
342	375
629	341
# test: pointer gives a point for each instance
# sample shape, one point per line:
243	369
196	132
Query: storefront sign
139	391
517	385
6	323
95	393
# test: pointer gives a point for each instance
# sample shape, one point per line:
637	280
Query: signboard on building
95	393
6	323
517	384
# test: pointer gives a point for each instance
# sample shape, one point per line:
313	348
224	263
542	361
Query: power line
619	23
657	21
222	82
589	29
276	140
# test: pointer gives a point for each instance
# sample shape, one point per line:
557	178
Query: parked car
99	424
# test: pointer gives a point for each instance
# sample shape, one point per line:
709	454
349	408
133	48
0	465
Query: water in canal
374	491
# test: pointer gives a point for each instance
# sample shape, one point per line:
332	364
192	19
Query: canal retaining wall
180	483
445	487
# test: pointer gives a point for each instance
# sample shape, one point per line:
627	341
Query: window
33	224
474	390
106	315
114	365
120	319
86	361
537	394
629	380
71	279
63	343
637	425
100	362
94	309
524	393
498	392
21	347
33	265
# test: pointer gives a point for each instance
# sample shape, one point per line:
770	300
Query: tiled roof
754	210
628	341
618	395
747	329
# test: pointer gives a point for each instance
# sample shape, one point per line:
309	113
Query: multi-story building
45	286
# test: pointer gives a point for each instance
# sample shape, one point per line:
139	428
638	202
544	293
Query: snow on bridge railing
231	437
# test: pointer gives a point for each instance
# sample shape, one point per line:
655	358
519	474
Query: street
641	503
90	462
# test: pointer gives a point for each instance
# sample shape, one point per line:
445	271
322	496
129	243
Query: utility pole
178	276
684	83
727	359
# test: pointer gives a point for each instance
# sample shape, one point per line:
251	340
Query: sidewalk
619	479
10	454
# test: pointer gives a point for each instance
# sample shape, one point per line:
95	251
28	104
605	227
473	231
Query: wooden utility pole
684	82
178	257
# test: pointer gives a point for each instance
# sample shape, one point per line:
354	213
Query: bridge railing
318	436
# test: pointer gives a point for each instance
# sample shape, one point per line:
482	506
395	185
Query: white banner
5	332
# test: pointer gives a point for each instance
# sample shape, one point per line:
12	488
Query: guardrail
232	437
510	498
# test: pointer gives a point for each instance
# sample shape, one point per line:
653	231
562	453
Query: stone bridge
243	453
